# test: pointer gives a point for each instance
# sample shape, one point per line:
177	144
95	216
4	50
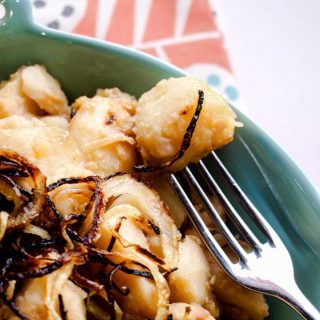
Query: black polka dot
39	3
54	24
67	11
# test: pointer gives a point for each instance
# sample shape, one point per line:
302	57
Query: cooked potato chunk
52	149
38	298
183	311
102	128
73	299
13	101
143	297
42	88
237	302
126	101
164	113
190	282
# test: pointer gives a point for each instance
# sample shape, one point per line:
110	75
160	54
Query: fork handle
297	300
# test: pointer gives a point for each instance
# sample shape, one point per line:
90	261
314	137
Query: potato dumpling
164	113
50	148
32	92
102	128
38	298
46	91
190	282
143	297
237	302
125	100
183	311
13	100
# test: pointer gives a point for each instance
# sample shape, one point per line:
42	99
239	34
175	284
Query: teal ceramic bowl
271	180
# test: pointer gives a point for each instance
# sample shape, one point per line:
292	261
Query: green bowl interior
270	179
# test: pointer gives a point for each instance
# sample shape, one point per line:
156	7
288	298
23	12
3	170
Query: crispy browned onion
25	185
87	195
66	227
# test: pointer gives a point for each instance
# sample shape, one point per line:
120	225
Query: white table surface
274	48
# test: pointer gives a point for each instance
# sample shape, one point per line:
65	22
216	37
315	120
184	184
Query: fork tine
251	210
232	213
204	232
228	236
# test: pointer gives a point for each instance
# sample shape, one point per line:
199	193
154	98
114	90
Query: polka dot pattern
214	80
54	24
39	3
232	93
67	11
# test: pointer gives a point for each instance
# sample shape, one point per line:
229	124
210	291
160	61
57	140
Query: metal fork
268	267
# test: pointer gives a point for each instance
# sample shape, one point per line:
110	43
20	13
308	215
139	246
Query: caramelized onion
125	188
91	190
32	229
85	282
84	208
32	200
160	282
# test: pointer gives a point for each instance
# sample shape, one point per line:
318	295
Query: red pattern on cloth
87	25
183	54
200	18
161	21
122	23
199	42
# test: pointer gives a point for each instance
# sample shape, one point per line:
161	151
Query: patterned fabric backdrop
182	32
